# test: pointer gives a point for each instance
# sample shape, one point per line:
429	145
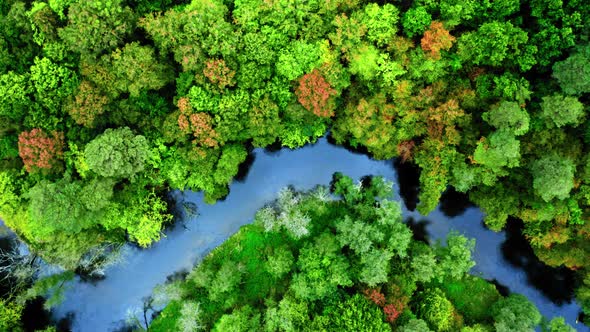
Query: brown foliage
393	306
315	94
199	124
88	103
404	149
40	150
435	39
218	73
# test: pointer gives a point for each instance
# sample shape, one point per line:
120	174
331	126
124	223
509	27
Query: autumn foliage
87	104
198	124
392	306
435	39
315	94
40	150
218	73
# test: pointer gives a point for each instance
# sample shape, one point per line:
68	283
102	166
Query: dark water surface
103	305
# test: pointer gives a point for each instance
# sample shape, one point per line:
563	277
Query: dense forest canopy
106	105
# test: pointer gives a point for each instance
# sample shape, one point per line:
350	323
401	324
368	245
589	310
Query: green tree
381	22
434	308
136	68
562	110
95	27
509	116
455	259
515	313
553	177
357	314
558	324
500	150
14	95
497	44
573	73
415	325
10	315
117	153
415	21
321	269
244	319
52	83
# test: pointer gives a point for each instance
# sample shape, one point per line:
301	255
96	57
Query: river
104	304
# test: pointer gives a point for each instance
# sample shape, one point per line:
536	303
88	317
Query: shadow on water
557	284
34	316
418	229
244	168
359	150
274	149
502	289
454	203
408	179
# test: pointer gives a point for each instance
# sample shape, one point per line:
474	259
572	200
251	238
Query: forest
106	106
310	263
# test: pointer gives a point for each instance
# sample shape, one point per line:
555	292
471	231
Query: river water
103	305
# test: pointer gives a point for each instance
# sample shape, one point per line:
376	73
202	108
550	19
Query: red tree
199	124
315	94
436	38
40	150
218	73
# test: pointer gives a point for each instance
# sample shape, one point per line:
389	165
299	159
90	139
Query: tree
573	73
434	308
497	44
315	94
135	68
58	207
562	110
218	73
87	104
415	325
435	39
117	153
14	95
375	266
291	315
455	259
241	320
321	269
357	314
502	149
558	324
553	176
515	313
415	21
95	27
381	22
280	262
10	315
40	150
52	83
508	115
297	59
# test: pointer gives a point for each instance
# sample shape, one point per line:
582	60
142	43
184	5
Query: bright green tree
553	177
117	153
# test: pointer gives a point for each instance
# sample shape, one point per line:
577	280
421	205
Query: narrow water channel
103	305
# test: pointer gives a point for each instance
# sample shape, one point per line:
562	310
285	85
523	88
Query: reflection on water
409	184
104	306
557	284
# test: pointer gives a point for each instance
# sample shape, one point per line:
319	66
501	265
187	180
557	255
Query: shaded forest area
107	105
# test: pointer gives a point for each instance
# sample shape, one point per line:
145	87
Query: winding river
503	257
